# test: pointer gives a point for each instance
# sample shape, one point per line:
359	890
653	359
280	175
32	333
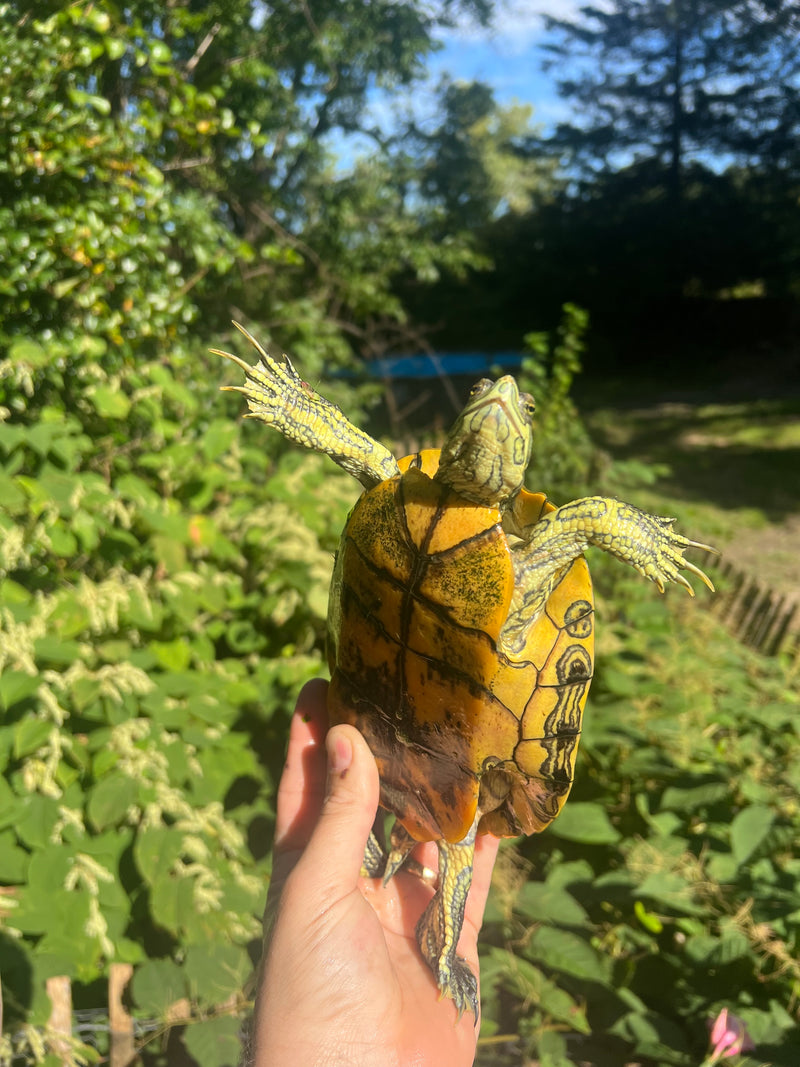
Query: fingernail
340	755
340	752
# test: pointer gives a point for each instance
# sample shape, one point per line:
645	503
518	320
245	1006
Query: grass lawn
731	469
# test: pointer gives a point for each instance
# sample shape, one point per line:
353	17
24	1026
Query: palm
359	956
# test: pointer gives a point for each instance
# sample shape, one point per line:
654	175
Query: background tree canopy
675	219
164	567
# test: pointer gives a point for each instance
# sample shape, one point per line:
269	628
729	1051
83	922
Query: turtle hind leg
439	928
381	863
374	861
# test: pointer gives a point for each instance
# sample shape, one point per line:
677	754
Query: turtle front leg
646	542
439	928
277	395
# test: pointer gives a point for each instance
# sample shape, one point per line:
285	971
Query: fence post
122	1048
59	990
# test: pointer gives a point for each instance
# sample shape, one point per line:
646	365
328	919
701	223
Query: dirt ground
771	555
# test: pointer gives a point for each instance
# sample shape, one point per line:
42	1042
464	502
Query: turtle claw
401	845
453	974
461	987
700	574
662	560
668	568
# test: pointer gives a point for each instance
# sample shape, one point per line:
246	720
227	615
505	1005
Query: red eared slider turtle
460	627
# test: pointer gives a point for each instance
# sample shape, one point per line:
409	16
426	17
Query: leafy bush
564	458
162	598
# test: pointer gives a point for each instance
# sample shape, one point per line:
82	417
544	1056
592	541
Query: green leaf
24	350
215	1042
748	830
215	972
172	905
16	686
13	859
690	798
218	436
155	851
587	823
157	985
110	799
652	1035
30	734
110	403
37	817
717	951
160	52
552	1050
671	889
9	801
566	952
172	655
58	652
541	902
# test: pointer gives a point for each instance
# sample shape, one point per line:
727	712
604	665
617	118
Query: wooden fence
760	617
64	1031
122	1047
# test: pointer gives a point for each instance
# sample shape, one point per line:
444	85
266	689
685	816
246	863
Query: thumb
336	848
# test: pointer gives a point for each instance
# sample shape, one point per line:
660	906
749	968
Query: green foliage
478	160
143	157
667	888
162	598
563	454
163	568
99	248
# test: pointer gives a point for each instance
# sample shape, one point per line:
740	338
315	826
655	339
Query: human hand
343	980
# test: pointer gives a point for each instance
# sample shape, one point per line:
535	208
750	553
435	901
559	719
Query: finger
302	785
332	859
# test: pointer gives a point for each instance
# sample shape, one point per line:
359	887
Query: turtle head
489	447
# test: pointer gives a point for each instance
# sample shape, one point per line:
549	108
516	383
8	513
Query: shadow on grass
731	456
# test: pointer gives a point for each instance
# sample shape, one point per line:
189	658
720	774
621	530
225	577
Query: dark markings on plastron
578	619
407	588
562	727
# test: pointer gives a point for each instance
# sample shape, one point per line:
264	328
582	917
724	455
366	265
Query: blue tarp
448	365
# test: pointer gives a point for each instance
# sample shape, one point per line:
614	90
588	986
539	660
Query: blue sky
507	56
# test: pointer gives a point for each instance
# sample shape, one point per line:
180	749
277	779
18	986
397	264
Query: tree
679	81
477	159
160	167
215	126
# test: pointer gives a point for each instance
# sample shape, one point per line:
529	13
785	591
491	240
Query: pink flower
729	1037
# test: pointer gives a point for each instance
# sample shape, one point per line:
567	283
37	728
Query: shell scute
426	581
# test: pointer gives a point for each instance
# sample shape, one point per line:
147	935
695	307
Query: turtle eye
480	387
528	404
